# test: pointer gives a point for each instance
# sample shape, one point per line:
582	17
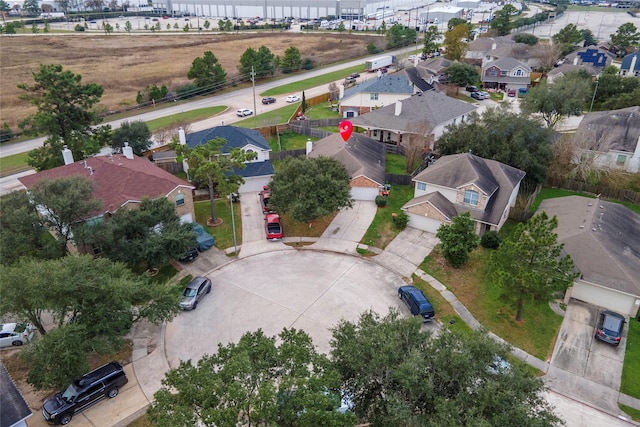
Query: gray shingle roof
507	63
493	178
431	107
14	407
415	77
385	84
236	137
435	65
438	201
611	130
602	238
361	155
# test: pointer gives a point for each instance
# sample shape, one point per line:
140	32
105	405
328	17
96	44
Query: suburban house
591	59
433	70
505	73
610	139
375	93
425	113
122	180
630	66
258	172
483	50
603	239
418	80
364	158
458	183
15	409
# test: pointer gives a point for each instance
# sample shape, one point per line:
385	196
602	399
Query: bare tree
334	91
417	143
592	146
547	54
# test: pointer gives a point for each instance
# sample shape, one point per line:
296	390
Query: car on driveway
472	89
268	100
194	292
243	112
84	392
265	195
273	227
477	95
485	95
16	334
204	240
190	255
609	327
293	98
511	92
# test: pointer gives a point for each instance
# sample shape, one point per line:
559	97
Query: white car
293	98
244	112
15	334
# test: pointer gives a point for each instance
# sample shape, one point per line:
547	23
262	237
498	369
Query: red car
265	194
273	227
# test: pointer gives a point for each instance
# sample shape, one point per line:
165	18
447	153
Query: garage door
605	297
364	193
423	223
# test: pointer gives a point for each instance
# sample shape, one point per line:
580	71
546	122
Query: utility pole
253	83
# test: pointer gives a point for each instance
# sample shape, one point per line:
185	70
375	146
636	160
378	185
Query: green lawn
631	369
13	164
269	118
313	81
185	117
289	140
223	233
382	229
321	111
473	286
396	164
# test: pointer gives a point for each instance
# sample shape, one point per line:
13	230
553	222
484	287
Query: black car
472	89
609	327
84	392
354	75
268	100
190	255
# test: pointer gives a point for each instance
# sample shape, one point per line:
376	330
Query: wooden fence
397	179
604	191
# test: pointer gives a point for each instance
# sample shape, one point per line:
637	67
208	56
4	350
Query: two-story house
426	114
630	66
489	49
506	73
458	183
257	172
591	59
375	93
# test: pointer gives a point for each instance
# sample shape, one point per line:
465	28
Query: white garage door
363	193
186	218
604	297
423	223
254	184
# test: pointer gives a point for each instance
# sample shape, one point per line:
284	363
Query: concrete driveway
292	288
583	367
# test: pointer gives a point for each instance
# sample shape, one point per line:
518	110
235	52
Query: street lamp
233	225
594	94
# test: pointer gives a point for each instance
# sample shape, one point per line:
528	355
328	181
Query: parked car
384	70
485	95
418	304
197	288
268	100
16	334
472	89
609	327
204	240
265	194
84	392
349	79
522	92
272	226
243	112
477	95
293	98
190	255
511	92
355	75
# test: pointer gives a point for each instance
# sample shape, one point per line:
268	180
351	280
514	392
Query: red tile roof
118	180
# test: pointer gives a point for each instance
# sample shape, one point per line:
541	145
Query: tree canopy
136	133
462	74
310	188
505	136
454	42
262	60
208	164
258	381
64	113
431	36
566	96
458	239
206	72
291	61
625	37
93	302
530	263
501	23
398	36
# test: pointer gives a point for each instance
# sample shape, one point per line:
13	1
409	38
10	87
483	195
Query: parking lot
597	366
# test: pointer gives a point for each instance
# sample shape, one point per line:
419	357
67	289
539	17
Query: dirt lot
124	64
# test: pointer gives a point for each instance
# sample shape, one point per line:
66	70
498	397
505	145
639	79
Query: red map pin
346	127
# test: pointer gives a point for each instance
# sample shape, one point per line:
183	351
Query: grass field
631	369
223	233
382	229
13	164
184	117
313	82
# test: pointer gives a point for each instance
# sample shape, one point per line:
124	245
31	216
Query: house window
493	72
503	73
374	96
518	73
421	186
180	200
621	159
471	197
375	132
350	114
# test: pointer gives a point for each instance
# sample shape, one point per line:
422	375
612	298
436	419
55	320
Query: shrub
525	38
381	201
188	90
307	64
6	134
78	27
372	48
401	220
490	240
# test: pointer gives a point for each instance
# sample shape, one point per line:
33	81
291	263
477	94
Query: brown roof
117	179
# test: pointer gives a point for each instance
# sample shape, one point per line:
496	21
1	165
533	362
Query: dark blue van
417	302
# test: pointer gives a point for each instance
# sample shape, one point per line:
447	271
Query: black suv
609	327
84	392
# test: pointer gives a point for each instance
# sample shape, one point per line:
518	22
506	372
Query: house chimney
341	92
182	137
127	151
309	146
398	107
67	155
494	46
